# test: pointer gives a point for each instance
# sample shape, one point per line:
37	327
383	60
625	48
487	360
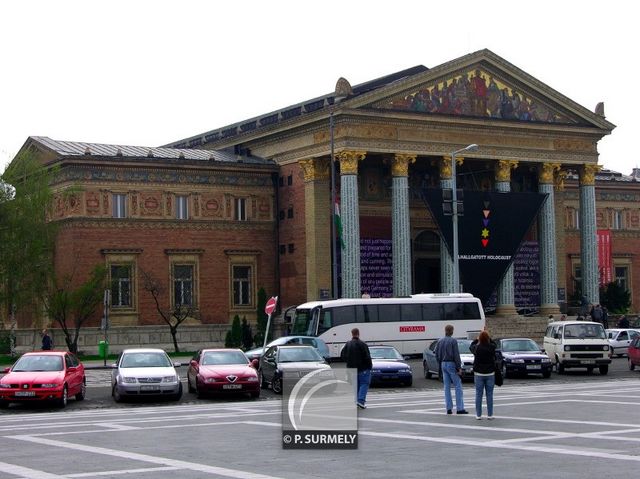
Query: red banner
605	260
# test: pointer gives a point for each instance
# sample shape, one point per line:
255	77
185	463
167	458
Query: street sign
270	307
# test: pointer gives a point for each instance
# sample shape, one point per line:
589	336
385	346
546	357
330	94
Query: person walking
47	342
596	314
356	354
484	375
448	357
623	322
605	317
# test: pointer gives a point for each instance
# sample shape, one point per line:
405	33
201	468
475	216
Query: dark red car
43	376
222	371
634	353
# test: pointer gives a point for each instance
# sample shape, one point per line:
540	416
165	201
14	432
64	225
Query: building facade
218	215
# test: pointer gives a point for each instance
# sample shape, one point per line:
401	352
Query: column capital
547	171
315	169
400	164
503	170
446	171
349	161
588	174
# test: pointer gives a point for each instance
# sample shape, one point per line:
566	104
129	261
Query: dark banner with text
489	233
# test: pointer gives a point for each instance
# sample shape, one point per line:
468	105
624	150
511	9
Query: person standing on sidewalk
448	357
356	354
484	367
47	342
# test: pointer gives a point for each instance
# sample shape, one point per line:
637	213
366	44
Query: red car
43	376
634	353
222	371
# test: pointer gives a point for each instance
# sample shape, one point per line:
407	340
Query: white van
577	344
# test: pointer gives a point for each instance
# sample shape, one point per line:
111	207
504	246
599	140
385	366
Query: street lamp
454	217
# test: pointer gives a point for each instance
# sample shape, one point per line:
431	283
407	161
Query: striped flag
338	221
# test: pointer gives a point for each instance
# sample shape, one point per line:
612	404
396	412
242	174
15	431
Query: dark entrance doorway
426	266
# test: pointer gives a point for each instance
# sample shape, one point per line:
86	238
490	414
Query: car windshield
38	363
519	345
145	360
384	353
215	358
463	346
307	353
582	331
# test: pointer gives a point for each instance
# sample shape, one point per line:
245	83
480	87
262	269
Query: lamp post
454	217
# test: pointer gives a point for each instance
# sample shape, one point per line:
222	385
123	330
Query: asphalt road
567	427
99	389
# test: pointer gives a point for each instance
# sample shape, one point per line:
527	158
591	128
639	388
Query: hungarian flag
338	222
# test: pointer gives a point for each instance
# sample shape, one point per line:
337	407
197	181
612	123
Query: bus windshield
302	323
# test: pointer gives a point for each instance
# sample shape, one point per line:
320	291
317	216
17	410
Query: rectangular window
622	276
616	220
289	180
283	249
182	208
241	209
281	182
119	205
576	219
120	286
290	212
292	248
241	285
183	285
281	214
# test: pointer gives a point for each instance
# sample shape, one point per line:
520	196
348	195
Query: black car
523	356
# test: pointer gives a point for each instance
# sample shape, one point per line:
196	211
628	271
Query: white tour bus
409	324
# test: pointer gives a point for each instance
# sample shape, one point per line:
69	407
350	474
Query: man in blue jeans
448	357
357	356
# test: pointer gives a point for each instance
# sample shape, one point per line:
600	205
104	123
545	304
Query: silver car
145	372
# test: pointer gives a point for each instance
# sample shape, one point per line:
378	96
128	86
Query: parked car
577	344
634	353
288	360
317	343
389	366
620	339
145	372
432	368
222	371
43	376
523	356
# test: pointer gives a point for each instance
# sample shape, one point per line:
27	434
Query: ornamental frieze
574	145
212	205
150	204
383	132
150	224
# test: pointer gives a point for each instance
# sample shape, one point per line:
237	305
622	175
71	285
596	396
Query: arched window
427	242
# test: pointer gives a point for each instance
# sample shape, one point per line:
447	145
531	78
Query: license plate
588	361
232	386
149	388
25	393
533	366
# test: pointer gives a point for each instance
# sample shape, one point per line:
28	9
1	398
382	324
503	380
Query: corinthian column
588	235
547	225
506	302
401	248
446	260
317	222
350	215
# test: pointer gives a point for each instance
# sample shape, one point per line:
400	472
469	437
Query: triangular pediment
482	85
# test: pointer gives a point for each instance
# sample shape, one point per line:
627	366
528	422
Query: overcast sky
147	73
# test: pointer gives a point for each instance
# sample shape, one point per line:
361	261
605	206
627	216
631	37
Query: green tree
70	307
26	236
261	317
234	335
615	298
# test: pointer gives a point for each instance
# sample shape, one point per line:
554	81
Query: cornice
137	224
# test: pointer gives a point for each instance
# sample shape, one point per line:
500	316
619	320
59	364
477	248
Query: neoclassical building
249	205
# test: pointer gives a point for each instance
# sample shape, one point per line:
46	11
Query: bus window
453	311
359	316
389	312
410	312
302	322
343	315
471	311
370	313
431	312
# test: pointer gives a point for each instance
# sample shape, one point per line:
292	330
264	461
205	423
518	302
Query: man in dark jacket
356	354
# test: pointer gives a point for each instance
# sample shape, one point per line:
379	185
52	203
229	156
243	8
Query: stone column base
506	310
547	309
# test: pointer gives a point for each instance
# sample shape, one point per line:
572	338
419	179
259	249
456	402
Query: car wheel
255	394
504	371
117	397
263	383
546	374
604	369
276	385
62	402
4	404
427	373
631	365
190	388
83	390
178	395
408	383
198	390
